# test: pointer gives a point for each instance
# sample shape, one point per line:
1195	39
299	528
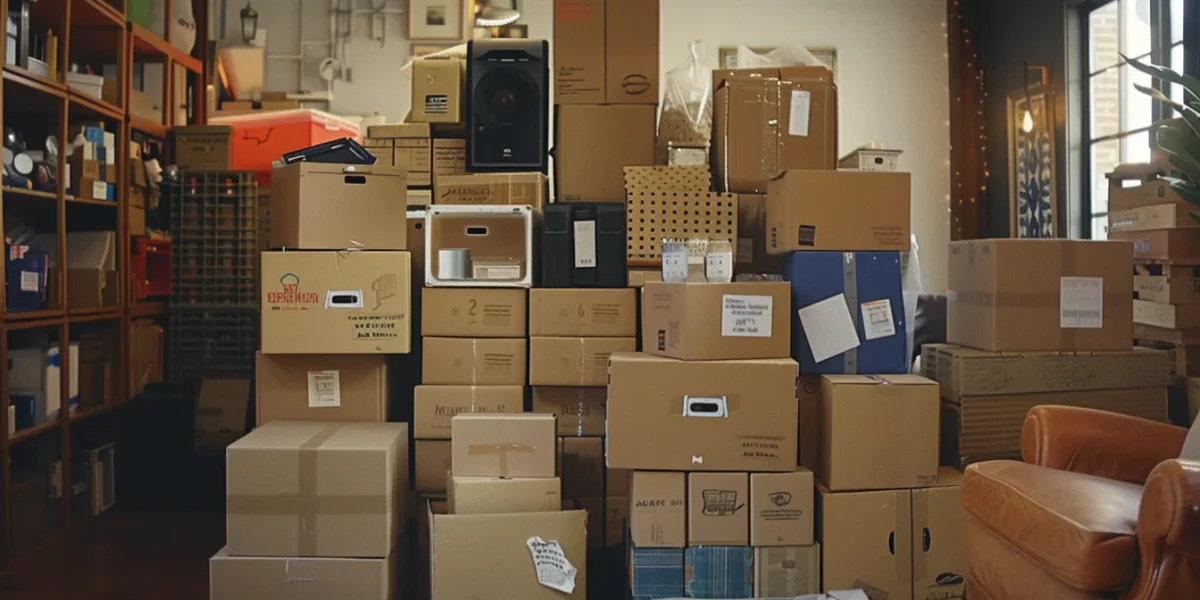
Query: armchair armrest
1168	532
1104	444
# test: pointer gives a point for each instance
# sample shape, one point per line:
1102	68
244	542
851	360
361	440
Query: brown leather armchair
1100	507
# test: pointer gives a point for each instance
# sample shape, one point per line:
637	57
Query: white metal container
498	240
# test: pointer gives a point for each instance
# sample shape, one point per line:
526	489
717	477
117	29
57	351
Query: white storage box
478	246
871	157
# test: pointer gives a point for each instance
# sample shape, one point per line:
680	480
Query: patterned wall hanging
1033	198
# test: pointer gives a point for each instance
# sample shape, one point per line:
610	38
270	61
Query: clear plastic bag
788	55
686	117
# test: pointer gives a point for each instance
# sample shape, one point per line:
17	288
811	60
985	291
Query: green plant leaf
1187	165
1191	115
1189	83
1190	193
1178	138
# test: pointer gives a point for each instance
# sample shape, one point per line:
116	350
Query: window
1119	118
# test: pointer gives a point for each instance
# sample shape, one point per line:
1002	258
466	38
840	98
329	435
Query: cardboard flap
92	250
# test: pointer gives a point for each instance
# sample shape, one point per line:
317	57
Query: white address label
799	114
1081	303
877	319
746	316
585	244
324	389
29	281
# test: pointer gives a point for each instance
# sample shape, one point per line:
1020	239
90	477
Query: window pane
1100	228
1135	28
1105	156
1102	37
1104	104
1137	109
1177	22
1177	66
1136	148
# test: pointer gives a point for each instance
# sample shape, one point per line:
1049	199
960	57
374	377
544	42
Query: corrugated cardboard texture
316	206
717	321
595	143
491	188
336	302
781	509
657	509
321	387
866	541
579	76
580	410
492	495
317	489
718	513
573	361
437	86
839	210
674	178
718	572
1007	295
473	361
501	445
648	430
583	467
473	312
432	465
435	405
786	572
583	312
287	578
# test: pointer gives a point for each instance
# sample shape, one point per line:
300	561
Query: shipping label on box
580	410
657	509
781	509
583	312
435	405
499	445
321	387
473	312
716	321
574	361
473	361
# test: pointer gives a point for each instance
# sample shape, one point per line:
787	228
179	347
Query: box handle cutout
344	299
705	406
355	179
892	543
925	539
477	230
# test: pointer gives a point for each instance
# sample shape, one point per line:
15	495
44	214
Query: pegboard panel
655	215
691	178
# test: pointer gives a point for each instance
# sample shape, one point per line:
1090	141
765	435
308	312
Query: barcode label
1081	303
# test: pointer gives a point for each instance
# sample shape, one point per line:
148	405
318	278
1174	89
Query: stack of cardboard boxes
422	150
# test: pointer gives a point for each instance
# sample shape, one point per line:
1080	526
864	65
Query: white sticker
674	264
99	190
324	389
550	562
798	121
828	327
718	267
877	319
1081	303
746	316
29	281
497	272
585	244
745	250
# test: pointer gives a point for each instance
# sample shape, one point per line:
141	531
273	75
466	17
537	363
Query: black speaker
583	245
508	105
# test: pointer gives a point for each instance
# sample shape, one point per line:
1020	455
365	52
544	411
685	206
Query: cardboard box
493	495
580	410
273	578
717	513
1146	192
336	302
878	431
412	149
221	404
340	490
787	572
767	121
583	467
579	58
1168	290
592	312
426	505
630	52
781	509
320	387
657	509
1179	246
716	321
714	571
449	157
491	188
594	144
751	255
808	423
839	210
1166	316
432	464
648	429
435	405
939	539
473	361
574	361
317	206
503	445
1146	218
473	312
437	91
1022	295
461	543
656	572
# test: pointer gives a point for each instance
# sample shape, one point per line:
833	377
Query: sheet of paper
553	568
800	112
878	320
1081	303
746	316
829	327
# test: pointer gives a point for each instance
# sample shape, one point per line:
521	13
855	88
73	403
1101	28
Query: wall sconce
1043	79
249	18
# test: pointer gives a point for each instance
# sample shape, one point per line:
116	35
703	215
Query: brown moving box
1179	246
787	572
606	51
717	321
473	312
580	410
273	578
591	312
435	405
582	467
336	302
579	59
648	429
1147	192
413	148
493	495
473	361
338	490
449	157
657	509
878	432
1146	218
320	387
437	90
316	206
717	513
595	143
574	361
781	509
752	256
1062	295
766	121
839	210
491	188
460	544
1168	290
503	445
431	465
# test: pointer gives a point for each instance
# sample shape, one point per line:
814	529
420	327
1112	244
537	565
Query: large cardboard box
461	543
274	578
766	121
606	52
573	361
582	467
1022	295
592	312
839	210
503	445
437	91
781	509
473	361
494	495
1146	218
717	513
320	387
579	76
491	188
473	312
336	302
431	465
657	509
594	144
1179	246
317	489
660	414
435	405
1167	289
318	206
787	572
580	410
716	321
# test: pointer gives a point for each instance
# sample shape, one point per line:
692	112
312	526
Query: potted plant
1179	137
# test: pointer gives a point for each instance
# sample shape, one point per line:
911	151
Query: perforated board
654	215
677	178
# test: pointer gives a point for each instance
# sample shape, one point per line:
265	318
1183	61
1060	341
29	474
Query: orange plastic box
259	139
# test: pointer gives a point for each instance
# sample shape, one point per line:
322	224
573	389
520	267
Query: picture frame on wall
1032	181
436	20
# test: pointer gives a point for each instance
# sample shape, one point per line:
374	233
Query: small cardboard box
473	361
437	91
491	188
473	312
580	410
431	465
1159	216
320	387
499	445
594	145
717	513
479	246
839	210
781	508
413	149
340	490
717	321
336	302
583	312
575	361
92	280
493	495
317	206
657	509
435	405
582	467
787	572
273	578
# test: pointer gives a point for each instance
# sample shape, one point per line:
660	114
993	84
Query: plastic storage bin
259	139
